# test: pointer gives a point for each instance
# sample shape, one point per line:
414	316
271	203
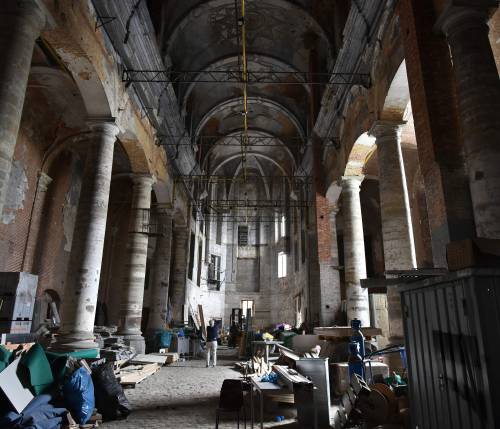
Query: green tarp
5	358
58	360
38	367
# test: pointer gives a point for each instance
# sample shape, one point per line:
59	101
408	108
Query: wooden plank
151	358
135	377
171	357
202	321
345	331
12	347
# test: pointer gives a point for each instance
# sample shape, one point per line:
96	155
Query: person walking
212	337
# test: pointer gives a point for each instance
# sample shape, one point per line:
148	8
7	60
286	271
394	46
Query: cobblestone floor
183	395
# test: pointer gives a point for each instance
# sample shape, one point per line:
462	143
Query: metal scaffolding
237	140
249	77
252	204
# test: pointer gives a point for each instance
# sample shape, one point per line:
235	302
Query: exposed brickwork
55	238
437	126
14	224
323	228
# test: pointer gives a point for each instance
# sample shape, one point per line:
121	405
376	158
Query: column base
74	341
136	341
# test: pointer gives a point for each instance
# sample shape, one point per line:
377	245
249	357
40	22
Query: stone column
180	254
354	251
84	270
478	90
335	295
397	230
36	218
161	273
21	22
132	291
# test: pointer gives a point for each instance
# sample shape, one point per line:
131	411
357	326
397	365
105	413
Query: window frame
282	265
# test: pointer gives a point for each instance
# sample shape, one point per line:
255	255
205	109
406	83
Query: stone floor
183	395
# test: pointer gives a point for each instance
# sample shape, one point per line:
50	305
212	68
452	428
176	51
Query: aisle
183	395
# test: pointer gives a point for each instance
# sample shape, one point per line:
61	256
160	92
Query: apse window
281	265
246	305
276	228
242	235
283	226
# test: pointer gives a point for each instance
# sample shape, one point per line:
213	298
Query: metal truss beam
255	141
256	204
236	218
299	180
252	77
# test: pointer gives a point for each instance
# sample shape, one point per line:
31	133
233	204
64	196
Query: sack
110	399
79	396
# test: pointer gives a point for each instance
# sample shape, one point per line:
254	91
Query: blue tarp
39	414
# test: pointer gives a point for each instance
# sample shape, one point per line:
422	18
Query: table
262	387
267	345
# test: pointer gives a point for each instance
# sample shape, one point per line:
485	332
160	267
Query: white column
336	299
354	251
397	230
84	270
21	22
135	266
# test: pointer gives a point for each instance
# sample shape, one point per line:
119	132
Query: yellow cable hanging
245	88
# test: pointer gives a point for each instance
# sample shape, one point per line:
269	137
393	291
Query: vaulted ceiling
281	36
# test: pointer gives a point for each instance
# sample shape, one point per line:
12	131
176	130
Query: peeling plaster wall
26	163
52	255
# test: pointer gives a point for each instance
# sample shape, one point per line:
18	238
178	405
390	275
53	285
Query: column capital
163	212
142	179
44	180
459	18
351	183
106	126
381	129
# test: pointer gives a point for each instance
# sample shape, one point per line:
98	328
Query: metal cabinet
17	300
452	330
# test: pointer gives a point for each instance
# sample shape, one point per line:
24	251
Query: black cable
127	25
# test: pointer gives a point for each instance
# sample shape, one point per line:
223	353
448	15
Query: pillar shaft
335	298
478	89
437	128
161	274
354	251
20	25
135	264
82	284
36	219
397	231
180	254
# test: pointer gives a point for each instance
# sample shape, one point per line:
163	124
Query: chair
231	400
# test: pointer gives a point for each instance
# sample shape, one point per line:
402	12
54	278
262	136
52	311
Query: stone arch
47	305
357	120
397	100
84	74
360	152
250	153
